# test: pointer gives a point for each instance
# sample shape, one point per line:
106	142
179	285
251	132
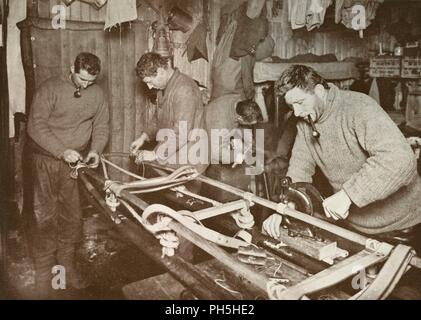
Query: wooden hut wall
335	38
120	50
53	52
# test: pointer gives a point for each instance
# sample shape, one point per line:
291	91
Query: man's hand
71	156
92	159
145	155
272	225
138	143
337	206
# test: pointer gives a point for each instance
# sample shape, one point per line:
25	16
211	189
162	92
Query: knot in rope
112	201
75	167
274	289
244	218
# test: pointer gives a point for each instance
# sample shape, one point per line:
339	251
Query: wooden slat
75	9
85	10
44	8
129	83
141	45
116	91
94	15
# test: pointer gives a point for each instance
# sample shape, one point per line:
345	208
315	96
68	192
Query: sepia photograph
233	151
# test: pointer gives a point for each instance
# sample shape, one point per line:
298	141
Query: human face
303	103
159	81
83	79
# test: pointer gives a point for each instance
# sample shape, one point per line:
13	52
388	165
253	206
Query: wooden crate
385	67
411	68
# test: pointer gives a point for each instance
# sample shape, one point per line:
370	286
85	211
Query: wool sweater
59	121
361	151
181	103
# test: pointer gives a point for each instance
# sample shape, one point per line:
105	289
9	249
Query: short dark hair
88	62
148	64
300	76
249	110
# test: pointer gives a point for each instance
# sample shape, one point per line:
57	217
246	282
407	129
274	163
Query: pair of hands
335	207
72	156
143	155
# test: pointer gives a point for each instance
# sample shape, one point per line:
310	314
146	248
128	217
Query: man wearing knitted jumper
360	150
69	116
179	110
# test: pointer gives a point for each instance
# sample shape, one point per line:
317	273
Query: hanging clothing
297	10
249	33
316	12
307	13
120	11
347	14
196	44
15	72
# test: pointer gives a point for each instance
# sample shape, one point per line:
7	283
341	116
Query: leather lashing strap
332	275
204	232
390	274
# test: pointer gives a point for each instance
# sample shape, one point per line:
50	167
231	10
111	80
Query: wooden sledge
255	266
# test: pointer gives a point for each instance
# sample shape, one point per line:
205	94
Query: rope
180	189
190	224
74	168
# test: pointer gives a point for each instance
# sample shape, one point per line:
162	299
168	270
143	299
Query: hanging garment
120	11
15	73
265	48
338	10
226	72
297	11
316	12
95	3
196	44
348	14
249	33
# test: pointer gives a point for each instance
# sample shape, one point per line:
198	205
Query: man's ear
160	71
320	91
72	69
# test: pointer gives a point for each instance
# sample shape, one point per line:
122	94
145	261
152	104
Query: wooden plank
315	249
94	14
44	8
141	46
75	11
116	91
129	84
162	287
333	275
85	10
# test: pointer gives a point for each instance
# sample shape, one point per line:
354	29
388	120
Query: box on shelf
411	68
385	67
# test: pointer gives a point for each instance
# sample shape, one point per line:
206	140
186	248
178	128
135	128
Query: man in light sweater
360	150
69	117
